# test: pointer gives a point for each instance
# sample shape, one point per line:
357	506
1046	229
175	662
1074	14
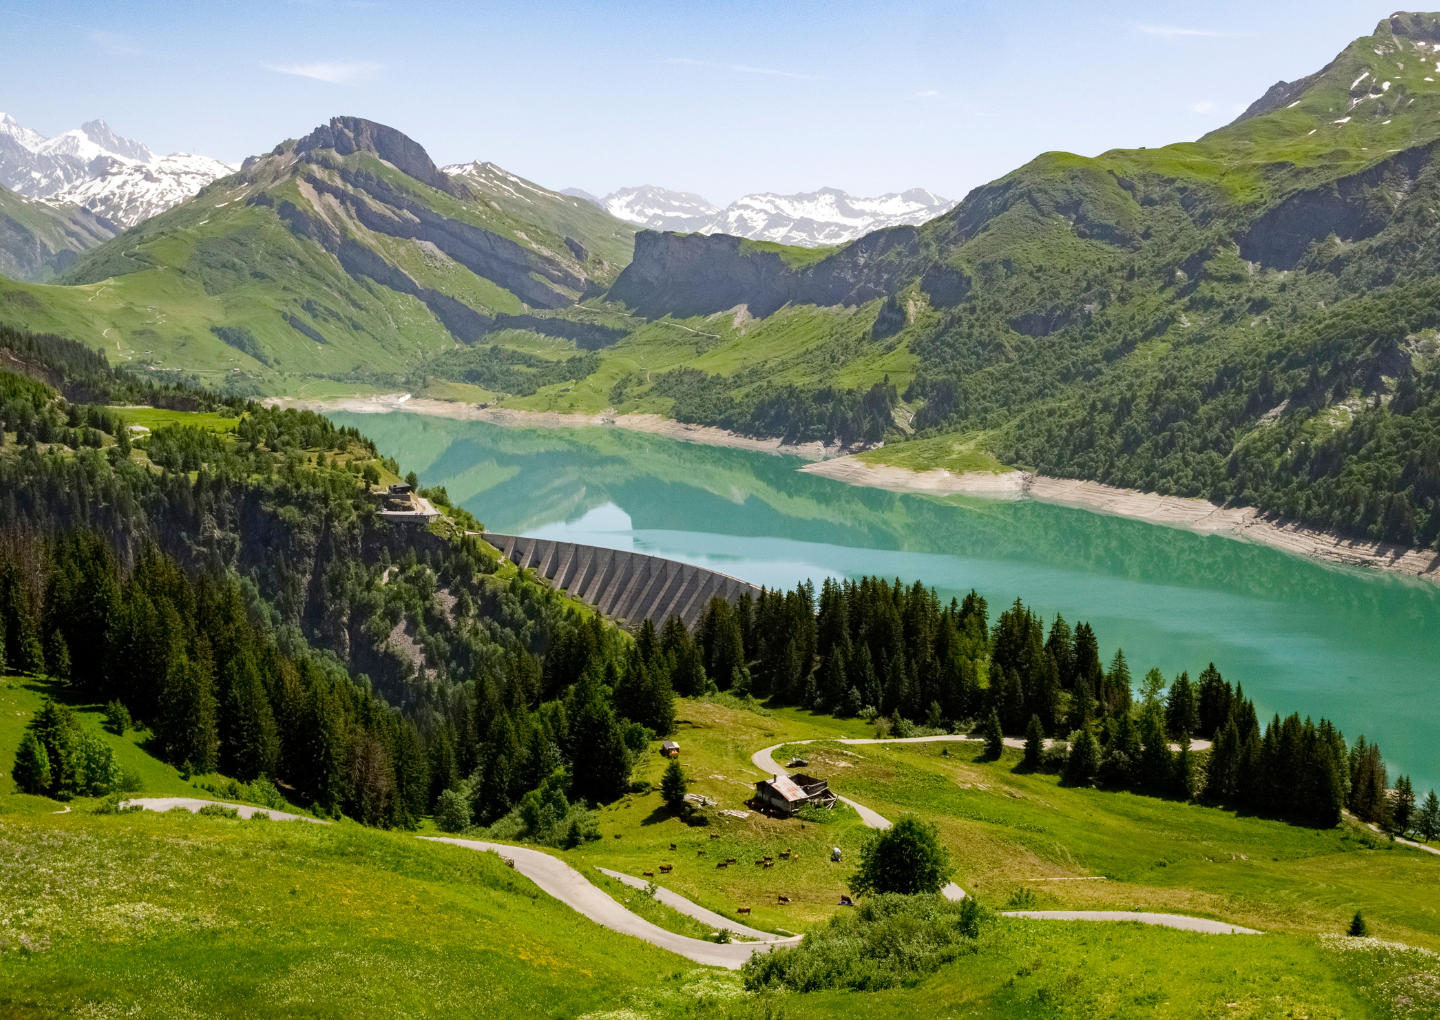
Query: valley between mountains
1248	318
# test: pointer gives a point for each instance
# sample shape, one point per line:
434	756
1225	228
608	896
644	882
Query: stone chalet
788	794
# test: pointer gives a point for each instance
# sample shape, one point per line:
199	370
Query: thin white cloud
1171	31
334	72
927	94
1204	107
742	68
115	45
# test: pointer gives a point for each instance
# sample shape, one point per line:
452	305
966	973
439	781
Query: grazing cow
742	910
784	899
648	874
721	864
729	860
672	846
784	855
846	901
714	835
665	868
769	864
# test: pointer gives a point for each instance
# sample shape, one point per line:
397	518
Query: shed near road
788	794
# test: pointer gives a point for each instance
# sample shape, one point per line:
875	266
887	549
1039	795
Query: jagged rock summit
347	135
93	167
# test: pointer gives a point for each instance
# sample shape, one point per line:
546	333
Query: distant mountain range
99	171
809	220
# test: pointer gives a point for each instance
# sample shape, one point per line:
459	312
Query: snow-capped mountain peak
94	167
810	219
21	136
660	209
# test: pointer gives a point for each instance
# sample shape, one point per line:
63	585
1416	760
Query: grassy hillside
178	914
39	241
310	263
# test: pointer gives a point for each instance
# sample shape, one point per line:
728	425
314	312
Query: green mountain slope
39	241
342	254
1249	317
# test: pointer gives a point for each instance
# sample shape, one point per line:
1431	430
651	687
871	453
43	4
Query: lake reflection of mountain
1353	646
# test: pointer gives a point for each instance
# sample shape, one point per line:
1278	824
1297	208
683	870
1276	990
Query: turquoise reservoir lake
1358	647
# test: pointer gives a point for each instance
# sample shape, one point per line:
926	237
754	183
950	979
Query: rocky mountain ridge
100	171
808	220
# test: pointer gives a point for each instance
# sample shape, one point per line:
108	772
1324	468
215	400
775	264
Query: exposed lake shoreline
836	462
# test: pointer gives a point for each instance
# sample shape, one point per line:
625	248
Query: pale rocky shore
832	462
654	424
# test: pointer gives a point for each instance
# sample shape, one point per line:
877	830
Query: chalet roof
786	787
669	744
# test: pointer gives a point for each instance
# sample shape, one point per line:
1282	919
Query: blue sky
716	98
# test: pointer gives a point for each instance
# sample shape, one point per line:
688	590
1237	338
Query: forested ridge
235	593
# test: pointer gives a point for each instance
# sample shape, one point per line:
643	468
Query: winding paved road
677	902
873	819
570	887
194	804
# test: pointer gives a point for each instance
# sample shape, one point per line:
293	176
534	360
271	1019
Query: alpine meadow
426	592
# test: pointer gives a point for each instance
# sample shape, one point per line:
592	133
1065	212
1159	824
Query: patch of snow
1342	120
1293	105
1385	86
1358	80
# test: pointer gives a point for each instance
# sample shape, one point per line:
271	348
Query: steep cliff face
696	274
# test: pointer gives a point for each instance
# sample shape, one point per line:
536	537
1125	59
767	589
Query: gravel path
1180	921
571	888
677	902
192	804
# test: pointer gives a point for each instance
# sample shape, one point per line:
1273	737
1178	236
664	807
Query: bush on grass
886	942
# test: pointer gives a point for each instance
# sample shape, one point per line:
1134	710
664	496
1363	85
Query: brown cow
742	910
648	874
784	899
665	868
721	864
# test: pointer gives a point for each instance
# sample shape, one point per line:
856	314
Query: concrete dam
626	586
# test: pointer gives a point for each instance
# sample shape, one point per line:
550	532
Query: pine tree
1427	822
673	785
1221	773
600	762
1155	767
1402	805
443	775
55	728
994	736
1034	741
412	776
188	730
1182	774
1117	697
251	746
57	655
1182	712
1358	928
31	770
1083	761
1214	701
498	788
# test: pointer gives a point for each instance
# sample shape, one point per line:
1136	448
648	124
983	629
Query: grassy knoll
180	915
1009	830
154	418
956	454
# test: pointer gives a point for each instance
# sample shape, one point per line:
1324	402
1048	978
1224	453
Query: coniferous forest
234	593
